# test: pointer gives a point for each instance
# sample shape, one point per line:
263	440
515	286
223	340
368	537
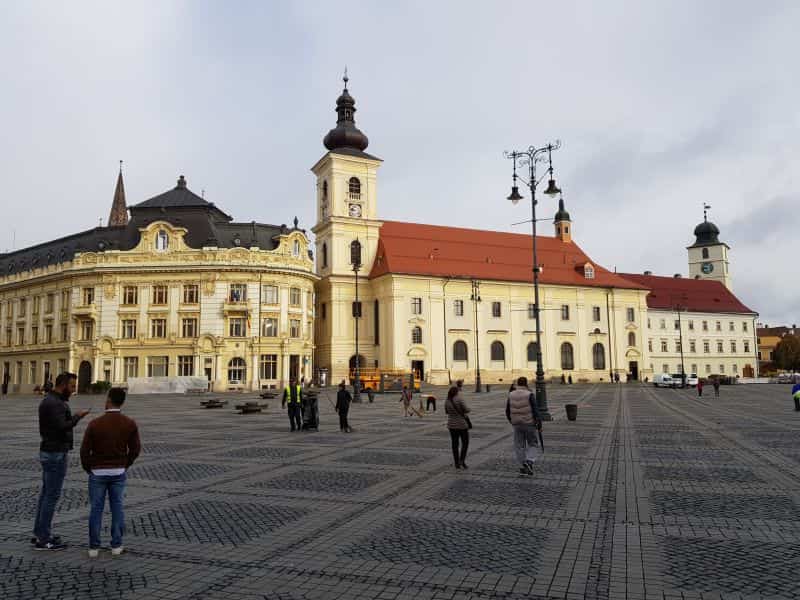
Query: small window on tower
705	252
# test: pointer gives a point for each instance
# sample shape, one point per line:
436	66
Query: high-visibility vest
288	392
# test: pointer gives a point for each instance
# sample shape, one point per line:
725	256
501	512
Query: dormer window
162	240
588	271
296	248
354	188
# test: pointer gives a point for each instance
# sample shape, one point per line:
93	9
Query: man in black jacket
343	399
56	423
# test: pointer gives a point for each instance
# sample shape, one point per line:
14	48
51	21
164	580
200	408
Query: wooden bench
214	403
250	407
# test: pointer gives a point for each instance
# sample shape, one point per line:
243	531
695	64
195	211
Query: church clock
707	267
355	210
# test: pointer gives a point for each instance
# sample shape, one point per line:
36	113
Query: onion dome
346	134
562	214
707	234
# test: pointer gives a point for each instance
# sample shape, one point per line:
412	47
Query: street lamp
476	297
678	308
355	260
530	158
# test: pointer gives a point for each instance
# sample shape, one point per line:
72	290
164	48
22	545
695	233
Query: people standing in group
715	383
405	398
56	423
523	414
343	400
459	425
110	446
699	388
293	398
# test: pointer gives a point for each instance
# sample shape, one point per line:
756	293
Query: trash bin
572	411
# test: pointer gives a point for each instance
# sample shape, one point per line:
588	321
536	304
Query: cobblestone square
650	494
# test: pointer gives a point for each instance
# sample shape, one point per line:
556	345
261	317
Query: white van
663	380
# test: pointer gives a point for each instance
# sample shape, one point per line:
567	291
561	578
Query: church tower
708	256
346	212
563	223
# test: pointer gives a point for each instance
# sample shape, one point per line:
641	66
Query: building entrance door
294	367
84	377
418	367
633	369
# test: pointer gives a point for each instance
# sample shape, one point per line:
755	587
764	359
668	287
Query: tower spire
562	222
346	135
119	209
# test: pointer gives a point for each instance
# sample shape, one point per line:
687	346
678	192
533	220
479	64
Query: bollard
487	387
572	411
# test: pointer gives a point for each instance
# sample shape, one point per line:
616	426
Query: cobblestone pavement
649	494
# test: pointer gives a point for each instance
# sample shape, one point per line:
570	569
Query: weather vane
705	211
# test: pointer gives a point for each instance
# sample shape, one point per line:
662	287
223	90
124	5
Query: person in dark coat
343	400
716	387
56	423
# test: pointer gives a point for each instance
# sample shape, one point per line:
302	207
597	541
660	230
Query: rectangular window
650	345
648	322
36	305
34	335
416	306
323	311
663	345
596	314
294	296
692	346
719	325
20	336
677	325
722	368
665	368
269	327
186	366
158	328
744	325
733	347
719	347
662	323
237	292
87	330
679	368
746	346
189	327
62	365
128	329
8	336
705	325
631	314
269	294
159	294
294	328
157	366
64	332
735	369
706	347
130	295
677	345
731	326
694	368
50	303
565	312
269	366
691	325
65	299
496	310
236	327
23	307
32	372
191	294
88	296
130	367
48	334
708	368
20	374
458	308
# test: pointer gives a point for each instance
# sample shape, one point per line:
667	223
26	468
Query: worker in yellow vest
293	397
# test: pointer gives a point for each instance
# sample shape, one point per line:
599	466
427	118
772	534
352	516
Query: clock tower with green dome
708	256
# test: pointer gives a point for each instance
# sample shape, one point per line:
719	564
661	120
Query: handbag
463	415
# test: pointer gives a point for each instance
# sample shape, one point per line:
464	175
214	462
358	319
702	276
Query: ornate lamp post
678	308
355	260
476	297
530	158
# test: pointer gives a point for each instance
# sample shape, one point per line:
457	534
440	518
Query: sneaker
117	551
56	539
528	468
52	546
523	471
94	552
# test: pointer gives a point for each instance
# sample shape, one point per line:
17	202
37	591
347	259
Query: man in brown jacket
110	445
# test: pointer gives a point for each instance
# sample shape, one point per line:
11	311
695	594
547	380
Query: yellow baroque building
179	290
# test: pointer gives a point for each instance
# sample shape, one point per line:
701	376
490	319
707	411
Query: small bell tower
562	223
708	256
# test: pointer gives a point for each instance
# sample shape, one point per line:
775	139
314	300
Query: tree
787	353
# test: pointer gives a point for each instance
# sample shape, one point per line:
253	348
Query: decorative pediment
417	351
161	237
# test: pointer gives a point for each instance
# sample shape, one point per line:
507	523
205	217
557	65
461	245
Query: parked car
663	380
691	380
678	380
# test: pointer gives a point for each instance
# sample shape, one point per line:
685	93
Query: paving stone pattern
650	494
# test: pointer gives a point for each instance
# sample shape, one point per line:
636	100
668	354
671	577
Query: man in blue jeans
56	423
110	445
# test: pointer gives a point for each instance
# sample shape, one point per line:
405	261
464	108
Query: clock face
355	210
707	268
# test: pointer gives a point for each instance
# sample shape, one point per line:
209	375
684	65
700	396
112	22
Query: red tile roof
698	295
437	251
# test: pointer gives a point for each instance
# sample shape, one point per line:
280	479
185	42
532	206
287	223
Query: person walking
56	423
110	446
796	395
523	414
405	398
343	400
459	425
716	387
699	388
293	397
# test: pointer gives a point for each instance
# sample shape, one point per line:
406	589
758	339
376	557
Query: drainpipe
444	325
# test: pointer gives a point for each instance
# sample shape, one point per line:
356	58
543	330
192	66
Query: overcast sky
660	107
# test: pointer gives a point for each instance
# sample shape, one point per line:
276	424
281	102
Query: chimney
648	272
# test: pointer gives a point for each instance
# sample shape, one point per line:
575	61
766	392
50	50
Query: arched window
598	357
631	339
498	351
416	335
532	348
460	350
237	370
567	358
354	187
325	191
705	252
162	240
324	255
296	248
